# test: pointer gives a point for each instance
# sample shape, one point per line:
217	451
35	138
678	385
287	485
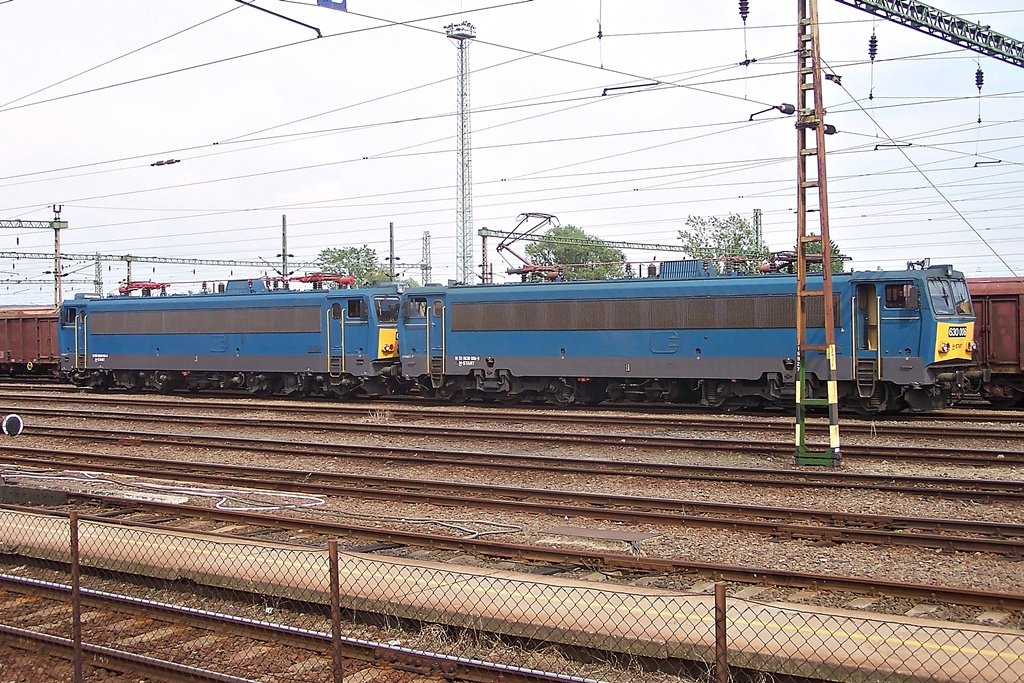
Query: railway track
165	641
613	417
414	407
981	490
143	637
254	525
789	523
993	457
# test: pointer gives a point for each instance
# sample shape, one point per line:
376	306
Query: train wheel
132	382
165	383
452	394
1006	402
558	398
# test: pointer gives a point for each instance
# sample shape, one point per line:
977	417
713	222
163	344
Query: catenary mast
462	33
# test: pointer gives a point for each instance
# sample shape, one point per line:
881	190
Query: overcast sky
346	133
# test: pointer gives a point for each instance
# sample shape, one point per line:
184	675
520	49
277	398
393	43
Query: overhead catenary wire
237	57
738	185
116	59
967	222
238	139
838	179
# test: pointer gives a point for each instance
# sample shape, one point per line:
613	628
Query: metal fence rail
207	608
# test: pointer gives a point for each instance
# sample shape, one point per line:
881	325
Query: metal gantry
463	34
945	26
125	258
811	130
56	225
131	258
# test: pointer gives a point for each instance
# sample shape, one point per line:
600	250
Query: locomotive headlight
973	346
389	348
944	347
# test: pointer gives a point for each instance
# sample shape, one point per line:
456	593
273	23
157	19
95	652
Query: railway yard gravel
702	545
904	564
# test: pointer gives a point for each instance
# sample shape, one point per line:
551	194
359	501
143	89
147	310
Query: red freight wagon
998	304
28	341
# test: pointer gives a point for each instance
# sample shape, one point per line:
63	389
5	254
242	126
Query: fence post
76	598
721	660
339	671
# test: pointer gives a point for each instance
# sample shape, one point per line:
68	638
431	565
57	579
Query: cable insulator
979	79
744	10
873	47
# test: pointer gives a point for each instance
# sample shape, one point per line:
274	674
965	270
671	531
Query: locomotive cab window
949	297
387	308
68	316
336	311
416	307
902	296
438	309
356	309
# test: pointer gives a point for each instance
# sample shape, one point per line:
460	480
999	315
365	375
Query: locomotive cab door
81	341
355	336
437	339
867	359
336	339
72	336
422	335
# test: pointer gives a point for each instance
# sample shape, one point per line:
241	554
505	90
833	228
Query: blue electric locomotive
248	337
904	339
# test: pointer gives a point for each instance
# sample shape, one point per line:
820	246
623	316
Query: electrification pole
58	286
391	256
284	250
56	225
811	129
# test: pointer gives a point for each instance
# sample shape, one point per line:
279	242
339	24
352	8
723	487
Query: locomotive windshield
949	297
387	308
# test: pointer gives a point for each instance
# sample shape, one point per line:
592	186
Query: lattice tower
425	269
462	33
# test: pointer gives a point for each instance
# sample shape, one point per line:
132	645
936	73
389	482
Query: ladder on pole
811	130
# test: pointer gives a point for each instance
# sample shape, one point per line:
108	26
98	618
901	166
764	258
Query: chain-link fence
212	608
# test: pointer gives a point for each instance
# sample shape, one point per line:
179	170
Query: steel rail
573	417
452	667
564	556
109	658
829	526
984	490
962	413
904	453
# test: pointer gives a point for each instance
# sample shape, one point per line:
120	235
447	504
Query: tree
837	258
361	263
584	256
713	237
